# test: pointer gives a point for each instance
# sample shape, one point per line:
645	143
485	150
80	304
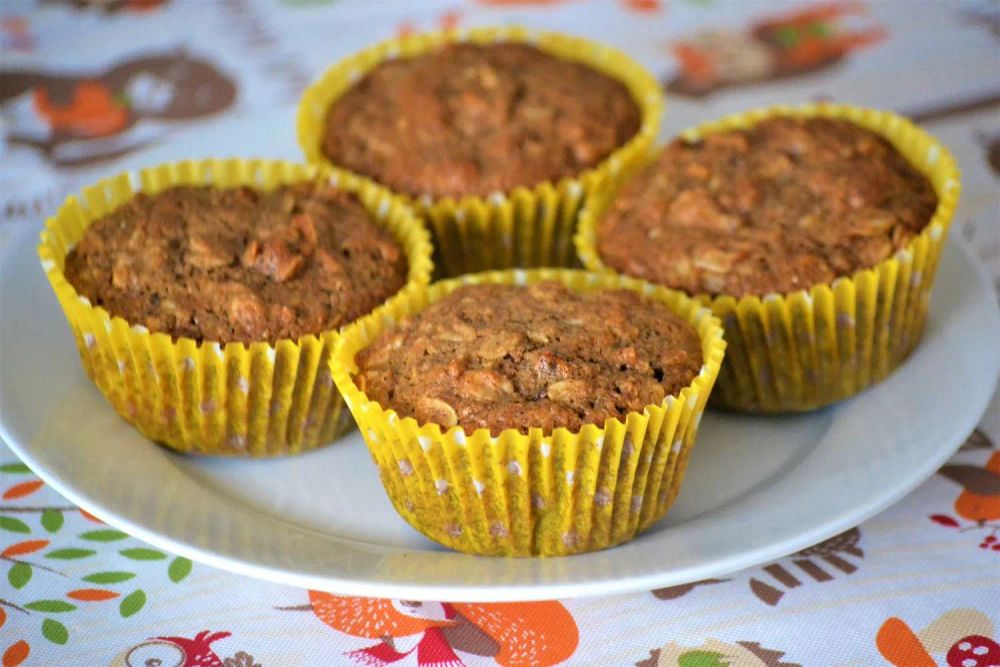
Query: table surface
918	585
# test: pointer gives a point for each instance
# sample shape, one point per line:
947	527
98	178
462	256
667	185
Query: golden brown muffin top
471	119
504	356
777	208
238	264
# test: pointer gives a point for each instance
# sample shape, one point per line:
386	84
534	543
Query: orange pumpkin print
515	634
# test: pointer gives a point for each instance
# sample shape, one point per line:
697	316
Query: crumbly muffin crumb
502	356
238	264
780	207
472	119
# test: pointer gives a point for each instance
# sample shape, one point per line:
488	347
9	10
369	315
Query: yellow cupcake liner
534	494
530	226
258	400
805	349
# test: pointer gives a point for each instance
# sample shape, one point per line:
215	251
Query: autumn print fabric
911	587
89	88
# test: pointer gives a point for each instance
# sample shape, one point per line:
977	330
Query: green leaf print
17	467
50	606
143	554
132	603
52	520
109	577
103	535
54	631
179	569
702	659
13	525
70	554
19	574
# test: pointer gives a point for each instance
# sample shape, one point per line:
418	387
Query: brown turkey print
82	118
820	563
979	502
803	40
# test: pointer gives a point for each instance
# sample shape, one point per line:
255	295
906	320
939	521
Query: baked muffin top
777	208
238	264
470	119
504	356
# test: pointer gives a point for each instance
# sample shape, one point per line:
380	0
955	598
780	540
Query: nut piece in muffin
472	119
510	357
780	207
239	264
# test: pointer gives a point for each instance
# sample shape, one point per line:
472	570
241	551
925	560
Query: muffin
496	136
528	413
206	305
474	119
238	264
813	233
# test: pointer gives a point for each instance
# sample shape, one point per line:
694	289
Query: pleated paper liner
258	400
802	350
529	226
534	494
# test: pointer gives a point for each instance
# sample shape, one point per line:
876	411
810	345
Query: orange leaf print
23	489
91	594
89	517
371	618
22	548
530	634
16	654
897	644
645	6
3	617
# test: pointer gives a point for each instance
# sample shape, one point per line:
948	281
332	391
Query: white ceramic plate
757	488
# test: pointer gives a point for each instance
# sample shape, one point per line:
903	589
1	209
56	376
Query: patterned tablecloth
88	87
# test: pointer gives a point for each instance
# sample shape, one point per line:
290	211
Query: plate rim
525	591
